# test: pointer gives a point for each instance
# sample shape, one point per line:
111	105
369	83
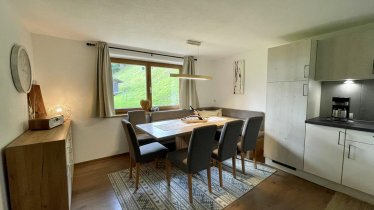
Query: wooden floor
92	189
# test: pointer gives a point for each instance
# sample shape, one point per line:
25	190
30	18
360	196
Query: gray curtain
105	103
188	94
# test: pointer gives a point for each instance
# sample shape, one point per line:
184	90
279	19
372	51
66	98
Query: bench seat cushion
169	115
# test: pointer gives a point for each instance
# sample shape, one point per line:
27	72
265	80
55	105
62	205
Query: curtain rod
139	51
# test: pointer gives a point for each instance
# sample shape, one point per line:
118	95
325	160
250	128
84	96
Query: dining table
179	129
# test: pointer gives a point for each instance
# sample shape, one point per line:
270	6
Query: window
136	80
165	89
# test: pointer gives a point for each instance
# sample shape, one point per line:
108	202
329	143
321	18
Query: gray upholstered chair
226	147
138	117
248	139
141	154
196	158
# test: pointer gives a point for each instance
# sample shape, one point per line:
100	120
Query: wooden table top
177	127
42	136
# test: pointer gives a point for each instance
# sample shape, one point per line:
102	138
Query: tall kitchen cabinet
289	69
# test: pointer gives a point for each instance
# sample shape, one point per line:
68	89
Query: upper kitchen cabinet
349	56
291	62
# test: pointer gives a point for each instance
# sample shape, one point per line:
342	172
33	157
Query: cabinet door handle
305	90
306	71
339	137
349	151
373	68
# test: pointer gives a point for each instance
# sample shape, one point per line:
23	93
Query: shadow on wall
94	112
328	28
122	144
96	138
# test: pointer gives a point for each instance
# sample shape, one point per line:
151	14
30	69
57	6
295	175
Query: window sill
123	112
119	115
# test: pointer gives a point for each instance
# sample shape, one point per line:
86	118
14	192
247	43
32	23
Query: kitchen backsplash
361	93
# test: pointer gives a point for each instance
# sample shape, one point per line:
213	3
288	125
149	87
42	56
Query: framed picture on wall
239	77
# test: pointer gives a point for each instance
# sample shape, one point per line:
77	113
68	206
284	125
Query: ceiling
224	27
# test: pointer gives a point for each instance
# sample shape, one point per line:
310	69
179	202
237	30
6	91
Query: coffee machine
340	109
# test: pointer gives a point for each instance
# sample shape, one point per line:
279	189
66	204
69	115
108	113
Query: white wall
254	97
13	105
66	72
205	88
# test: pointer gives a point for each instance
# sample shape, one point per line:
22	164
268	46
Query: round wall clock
21	69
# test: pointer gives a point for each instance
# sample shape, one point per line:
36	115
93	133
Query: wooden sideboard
40	169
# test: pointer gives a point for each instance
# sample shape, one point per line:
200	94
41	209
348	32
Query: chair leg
254	158
130	168
242	154
167	166
220	173
234	166
209	179
137	176
190	187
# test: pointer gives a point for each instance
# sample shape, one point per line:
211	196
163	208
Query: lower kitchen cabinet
358	168
324	148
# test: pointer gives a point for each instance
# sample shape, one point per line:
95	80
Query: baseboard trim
324	183
100	159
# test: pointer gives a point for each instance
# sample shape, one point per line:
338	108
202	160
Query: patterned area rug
154	193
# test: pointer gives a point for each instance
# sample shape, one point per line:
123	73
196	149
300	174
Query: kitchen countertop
354	125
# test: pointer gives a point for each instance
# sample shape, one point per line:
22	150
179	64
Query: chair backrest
229	139
132	141
250	133
137	117
200	148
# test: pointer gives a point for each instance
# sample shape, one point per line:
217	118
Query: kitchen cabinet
290	62
324	148
349	56
290	67
358	168
286	108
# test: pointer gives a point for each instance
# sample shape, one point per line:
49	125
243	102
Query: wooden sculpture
36	103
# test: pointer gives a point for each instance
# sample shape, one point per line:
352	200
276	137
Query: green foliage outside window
130	83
